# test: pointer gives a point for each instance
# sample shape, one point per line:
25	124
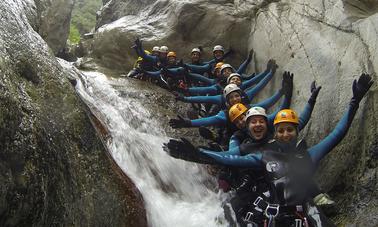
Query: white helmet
164	49
230	88
218	47
156	48
232	75
196	50
226	66
255	111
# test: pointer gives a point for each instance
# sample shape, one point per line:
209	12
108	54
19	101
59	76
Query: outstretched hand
181	149
250	54
181	122
361	86
287	83
185	150
314	93
271	65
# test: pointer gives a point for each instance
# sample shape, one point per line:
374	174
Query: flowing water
174	191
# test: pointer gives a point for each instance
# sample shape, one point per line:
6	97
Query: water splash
174	191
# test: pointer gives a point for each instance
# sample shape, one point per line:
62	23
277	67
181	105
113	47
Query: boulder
54	168
54	17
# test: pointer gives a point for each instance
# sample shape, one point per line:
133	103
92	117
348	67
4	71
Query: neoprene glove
180	122
250	54
271	65
314	93
361	87
185	150
287	83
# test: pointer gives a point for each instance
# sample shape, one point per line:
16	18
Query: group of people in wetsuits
257	155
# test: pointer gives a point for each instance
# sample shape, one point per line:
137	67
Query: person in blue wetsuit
233	95
288	166
251	93
218	84
158	61
200	69
195	56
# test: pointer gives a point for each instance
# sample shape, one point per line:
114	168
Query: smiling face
235	80
257	127
286	132
234	98
195	56
171	60
226	72
218	54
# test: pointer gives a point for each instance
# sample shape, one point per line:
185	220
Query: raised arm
199	77
254	80
215	99
198	68
141	53
307	111
245	64
216	120
360	88
271	66
211	90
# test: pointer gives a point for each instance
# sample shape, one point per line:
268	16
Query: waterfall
174	191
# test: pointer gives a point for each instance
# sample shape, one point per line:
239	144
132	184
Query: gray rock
54	18
54	168
330	41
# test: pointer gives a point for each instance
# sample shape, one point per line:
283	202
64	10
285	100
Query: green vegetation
83	18
74	36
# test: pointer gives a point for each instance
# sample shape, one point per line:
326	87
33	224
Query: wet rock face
54	168
330	41
54	18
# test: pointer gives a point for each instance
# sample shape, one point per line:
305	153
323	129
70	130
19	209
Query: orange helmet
286	115
171	54
219	65
236	110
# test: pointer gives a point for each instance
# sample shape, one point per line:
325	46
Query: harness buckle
257	200
272	210
248	216
298	222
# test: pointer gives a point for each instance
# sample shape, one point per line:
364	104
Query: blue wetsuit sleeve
145	56
249	82
198	77
234	142
216	120
251	93
244	66
320	150
234	151
251	160
213	61
269	102
176	71
305	116
215	99
199	68
152	74
212	90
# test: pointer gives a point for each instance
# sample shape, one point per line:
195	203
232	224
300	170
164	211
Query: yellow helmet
236	110
171	54
286	115
219	65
